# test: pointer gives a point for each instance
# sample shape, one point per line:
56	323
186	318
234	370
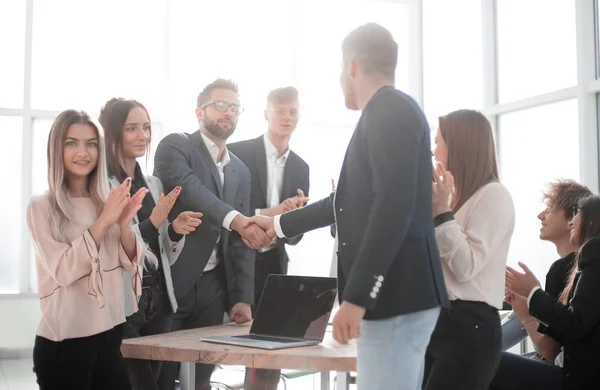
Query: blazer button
378	284
343	244
380	278
375	289
341	210
373	295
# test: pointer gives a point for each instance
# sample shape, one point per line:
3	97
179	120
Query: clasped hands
257	232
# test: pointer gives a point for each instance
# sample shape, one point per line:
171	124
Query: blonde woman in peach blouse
83	241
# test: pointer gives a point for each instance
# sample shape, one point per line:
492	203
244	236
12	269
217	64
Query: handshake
257	232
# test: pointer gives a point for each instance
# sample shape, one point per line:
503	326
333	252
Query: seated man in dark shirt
560	199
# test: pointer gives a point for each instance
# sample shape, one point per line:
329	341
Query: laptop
293	311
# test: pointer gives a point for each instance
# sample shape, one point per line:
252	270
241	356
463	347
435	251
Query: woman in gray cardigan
128	133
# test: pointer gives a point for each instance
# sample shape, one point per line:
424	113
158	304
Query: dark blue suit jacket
388	260
184	160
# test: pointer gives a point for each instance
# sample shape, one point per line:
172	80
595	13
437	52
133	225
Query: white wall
19	318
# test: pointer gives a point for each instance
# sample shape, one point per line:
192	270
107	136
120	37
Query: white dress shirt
474	246
275	174
213	149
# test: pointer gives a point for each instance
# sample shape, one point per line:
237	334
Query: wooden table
185	347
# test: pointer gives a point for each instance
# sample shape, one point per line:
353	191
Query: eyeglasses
222	106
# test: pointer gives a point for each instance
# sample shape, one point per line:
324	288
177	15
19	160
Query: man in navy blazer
389	272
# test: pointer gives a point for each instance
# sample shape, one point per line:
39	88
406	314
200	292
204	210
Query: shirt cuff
229	218
533	290
257	211
148	231
443	218
277	226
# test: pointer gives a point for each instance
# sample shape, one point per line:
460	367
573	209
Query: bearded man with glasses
215	271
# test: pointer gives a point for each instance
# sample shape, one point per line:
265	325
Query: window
537	146
12	42
452	57
11	223
536	51
85	53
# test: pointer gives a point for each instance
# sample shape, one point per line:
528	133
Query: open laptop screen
295	306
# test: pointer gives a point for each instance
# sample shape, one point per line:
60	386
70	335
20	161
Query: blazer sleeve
242	257
311	217
172	247
172	167
468	249
64	262
305	188
393	143
577	319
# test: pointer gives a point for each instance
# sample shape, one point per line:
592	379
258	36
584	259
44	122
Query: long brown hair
589	210
62	213
471	152
112	118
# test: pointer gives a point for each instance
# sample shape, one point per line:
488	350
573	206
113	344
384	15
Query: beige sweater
80	284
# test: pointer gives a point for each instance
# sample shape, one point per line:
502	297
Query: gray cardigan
169	250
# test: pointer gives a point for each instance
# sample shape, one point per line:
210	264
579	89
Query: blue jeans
391	352
512	332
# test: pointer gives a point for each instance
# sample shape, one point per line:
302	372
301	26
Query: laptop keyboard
267	338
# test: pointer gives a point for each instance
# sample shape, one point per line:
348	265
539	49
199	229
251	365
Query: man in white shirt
280	183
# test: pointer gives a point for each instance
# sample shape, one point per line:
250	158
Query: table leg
325	380
343	380
187	376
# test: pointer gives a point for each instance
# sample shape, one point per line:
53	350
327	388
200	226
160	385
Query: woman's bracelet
525	324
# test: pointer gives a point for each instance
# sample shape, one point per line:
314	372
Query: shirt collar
272	152
213	149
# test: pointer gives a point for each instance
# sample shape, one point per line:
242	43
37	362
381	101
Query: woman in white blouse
474	218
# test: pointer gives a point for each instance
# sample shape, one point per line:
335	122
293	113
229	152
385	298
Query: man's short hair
282	95
204	96
373	48
565	194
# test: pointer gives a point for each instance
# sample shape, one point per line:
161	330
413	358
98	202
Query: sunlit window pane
452	57
11	223
12	53
536	54
86	52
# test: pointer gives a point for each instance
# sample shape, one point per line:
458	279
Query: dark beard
215	129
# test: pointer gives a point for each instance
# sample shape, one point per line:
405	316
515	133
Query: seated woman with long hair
569	329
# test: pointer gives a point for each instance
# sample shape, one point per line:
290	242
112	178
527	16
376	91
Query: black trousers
85	363
153	317
465	347
267	263
203	306
520	373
